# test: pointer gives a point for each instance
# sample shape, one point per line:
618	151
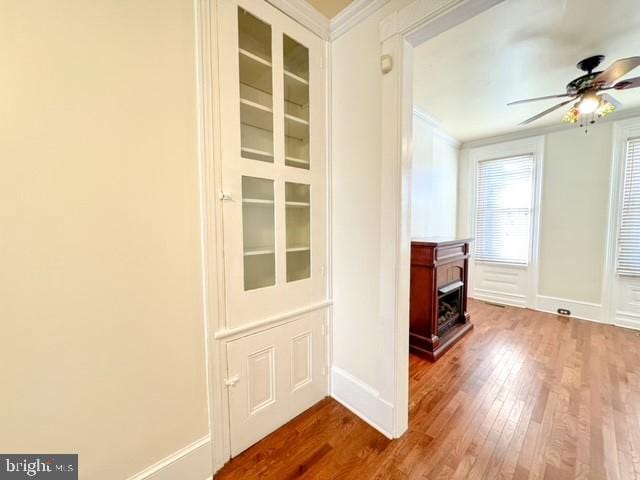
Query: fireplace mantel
439	283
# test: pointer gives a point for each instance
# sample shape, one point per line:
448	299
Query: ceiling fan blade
538	98
630	83
616	70
548	110
611	100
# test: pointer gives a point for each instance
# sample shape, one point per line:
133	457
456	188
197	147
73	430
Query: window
504	201
629	233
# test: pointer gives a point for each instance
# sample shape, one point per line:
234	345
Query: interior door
274	376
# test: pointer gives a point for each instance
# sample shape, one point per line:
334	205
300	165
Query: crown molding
422	20
437	128
353	14
304	13
533	132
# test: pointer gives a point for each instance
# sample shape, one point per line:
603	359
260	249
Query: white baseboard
628	320
578	309
363	400
501	298
192	462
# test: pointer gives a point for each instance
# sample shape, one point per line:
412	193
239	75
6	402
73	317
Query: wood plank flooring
526	395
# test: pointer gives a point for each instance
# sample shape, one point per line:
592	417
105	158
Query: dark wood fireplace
438	310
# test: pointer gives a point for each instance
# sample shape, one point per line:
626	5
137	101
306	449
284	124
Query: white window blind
504	199
629	234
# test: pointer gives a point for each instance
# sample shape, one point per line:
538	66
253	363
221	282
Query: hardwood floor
524	395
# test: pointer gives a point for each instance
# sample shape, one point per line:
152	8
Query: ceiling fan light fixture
605	109
587	89
572	115
589	103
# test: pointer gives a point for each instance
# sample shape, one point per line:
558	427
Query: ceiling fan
591	104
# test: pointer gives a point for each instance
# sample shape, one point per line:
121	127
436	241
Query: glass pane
296	103
256	88
258	231
298	215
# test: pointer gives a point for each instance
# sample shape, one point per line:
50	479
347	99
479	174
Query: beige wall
575	202
100	277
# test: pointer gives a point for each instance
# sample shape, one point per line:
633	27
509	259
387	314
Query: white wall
575	196
575	205
434	180
101	296
356	213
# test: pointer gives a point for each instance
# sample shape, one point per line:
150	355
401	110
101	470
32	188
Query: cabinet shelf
257	106
296	128
250	252
297	160
255	154
298	249
299	120
297	204
296	89
295	77
256	58
255	72
256	115
257	201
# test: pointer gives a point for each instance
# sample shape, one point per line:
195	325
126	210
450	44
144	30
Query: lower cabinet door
273	376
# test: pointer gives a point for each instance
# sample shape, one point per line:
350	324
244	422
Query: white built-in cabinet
273	170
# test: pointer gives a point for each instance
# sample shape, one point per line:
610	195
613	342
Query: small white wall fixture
400	32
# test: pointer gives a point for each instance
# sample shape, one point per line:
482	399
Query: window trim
533	145
612	281
623	146
528	260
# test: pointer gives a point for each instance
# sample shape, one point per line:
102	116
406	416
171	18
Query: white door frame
209	152
611	312
400	33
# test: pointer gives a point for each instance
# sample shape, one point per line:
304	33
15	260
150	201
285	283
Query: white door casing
621	293
508	284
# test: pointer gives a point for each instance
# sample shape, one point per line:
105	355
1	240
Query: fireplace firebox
438	309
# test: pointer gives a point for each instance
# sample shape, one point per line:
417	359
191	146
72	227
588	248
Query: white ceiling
519	49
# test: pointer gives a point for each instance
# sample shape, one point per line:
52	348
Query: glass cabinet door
256	88
272	162
298	235
296	103
258	233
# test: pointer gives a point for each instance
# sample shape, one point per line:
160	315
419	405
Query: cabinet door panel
278	374
273	117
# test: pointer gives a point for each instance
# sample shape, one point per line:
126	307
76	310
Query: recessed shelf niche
256	88
258	232
296	103
298	235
